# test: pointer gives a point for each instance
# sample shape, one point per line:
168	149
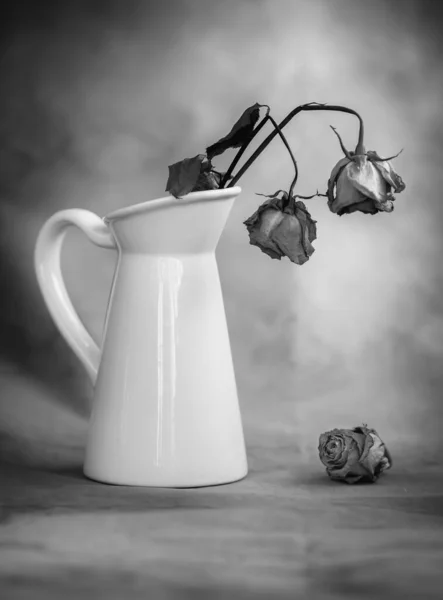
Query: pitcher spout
189	225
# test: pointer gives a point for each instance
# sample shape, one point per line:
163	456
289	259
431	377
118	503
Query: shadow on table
66	490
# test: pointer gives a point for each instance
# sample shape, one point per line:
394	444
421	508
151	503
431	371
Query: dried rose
362	181
352	455
283	227
192	175
207	180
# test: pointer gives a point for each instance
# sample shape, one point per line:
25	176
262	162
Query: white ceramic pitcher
165	410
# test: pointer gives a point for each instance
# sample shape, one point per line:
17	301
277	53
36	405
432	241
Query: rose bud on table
352	455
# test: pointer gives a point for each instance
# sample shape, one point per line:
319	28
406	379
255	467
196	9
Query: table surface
286	531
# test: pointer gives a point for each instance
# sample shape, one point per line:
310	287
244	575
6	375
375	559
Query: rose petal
291	240
347	196
332	181
387	171
366	179
332	447
353	461
367	206
351	475
377	450
386	206
375	456
274	202
358	438
309	226
324	440
388	456
260	225
352	472
384	465
356	434
338	458
324	437
367	459
338	167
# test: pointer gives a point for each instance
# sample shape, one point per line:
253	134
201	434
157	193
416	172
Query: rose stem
243	148
293	199
291	115
294	162
310	197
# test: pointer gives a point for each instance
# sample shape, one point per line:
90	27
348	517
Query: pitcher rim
167	201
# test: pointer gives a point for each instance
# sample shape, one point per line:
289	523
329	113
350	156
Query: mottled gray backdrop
98	98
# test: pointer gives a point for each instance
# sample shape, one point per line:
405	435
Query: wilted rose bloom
208	180
352	455
281	228
192	175
363	184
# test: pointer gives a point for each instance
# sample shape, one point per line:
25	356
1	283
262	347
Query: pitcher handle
47	265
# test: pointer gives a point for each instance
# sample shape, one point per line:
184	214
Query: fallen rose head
363	182
282	226
352	455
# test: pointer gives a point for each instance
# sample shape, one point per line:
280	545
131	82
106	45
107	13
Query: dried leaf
183	175
239	134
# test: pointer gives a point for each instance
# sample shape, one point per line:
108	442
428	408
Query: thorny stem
294	198
310	197
304	107
244	146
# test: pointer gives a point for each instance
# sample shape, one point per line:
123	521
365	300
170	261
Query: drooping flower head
364	182
282	226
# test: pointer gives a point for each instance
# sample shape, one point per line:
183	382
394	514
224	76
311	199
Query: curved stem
293	199
243	148
291	115
294	162
317	194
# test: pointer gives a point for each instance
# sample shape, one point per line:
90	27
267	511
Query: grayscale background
98	98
